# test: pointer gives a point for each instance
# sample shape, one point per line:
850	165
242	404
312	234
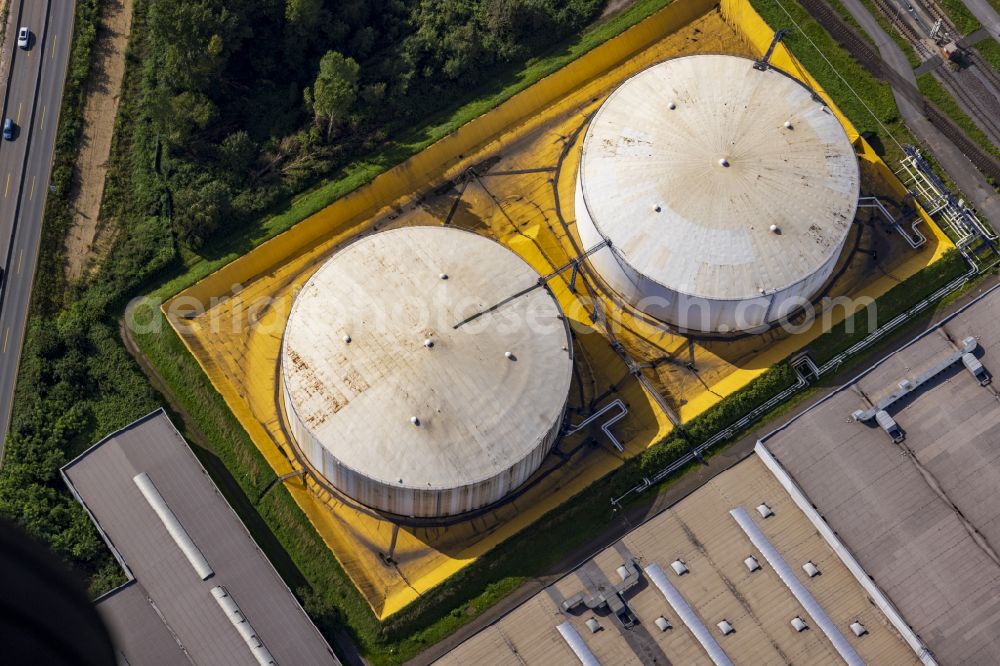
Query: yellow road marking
7	187
54	38
20	256
32	193
19	106
6	334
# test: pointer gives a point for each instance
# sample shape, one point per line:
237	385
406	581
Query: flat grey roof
923	518
168	610
701	531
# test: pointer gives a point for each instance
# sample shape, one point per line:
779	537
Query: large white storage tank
725	193
400	405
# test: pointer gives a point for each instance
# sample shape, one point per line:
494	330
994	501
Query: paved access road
32	100
988	16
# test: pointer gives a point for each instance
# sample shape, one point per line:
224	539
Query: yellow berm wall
240	356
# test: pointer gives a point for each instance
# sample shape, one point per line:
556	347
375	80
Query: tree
334	91
305	15
237	154
199	210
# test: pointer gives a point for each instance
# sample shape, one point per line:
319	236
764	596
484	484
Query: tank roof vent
858	629
810	569
764	510
593	625
798	624
752	564
679	567
725	627
661	623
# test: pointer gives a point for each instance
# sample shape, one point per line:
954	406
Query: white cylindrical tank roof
717	182
414	416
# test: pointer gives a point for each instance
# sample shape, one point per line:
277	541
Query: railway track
965	87
985	70
864	53
974	95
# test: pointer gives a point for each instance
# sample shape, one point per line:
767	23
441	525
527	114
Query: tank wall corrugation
415	502
685	311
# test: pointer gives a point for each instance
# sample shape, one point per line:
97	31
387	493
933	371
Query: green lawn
989	49
960	16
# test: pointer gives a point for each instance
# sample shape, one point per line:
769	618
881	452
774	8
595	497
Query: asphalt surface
988	16
32	100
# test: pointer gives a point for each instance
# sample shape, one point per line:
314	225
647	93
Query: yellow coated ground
517	187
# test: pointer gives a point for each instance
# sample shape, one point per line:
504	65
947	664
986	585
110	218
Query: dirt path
7	32
100	109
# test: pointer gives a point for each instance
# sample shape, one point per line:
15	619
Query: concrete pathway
988	16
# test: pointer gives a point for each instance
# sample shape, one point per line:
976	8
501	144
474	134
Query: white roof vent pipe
173	526
798	624
752	564
811	570
764	510
679	567
661	623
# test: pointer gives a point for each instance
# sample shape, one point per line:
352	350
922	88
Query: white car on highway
23	38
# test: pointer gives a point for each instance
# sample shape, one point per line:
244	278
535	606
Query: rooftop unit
908	385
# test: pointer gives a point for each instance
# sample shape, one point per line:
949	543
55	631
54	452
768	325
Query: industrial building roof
710	536
381	369
922	517
189	559
689	163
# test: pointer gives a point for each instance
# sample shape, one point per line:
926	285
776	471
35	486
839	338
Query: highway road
33	98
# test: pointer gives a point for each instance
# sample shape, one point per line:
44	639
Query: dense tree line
227	106
256	99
